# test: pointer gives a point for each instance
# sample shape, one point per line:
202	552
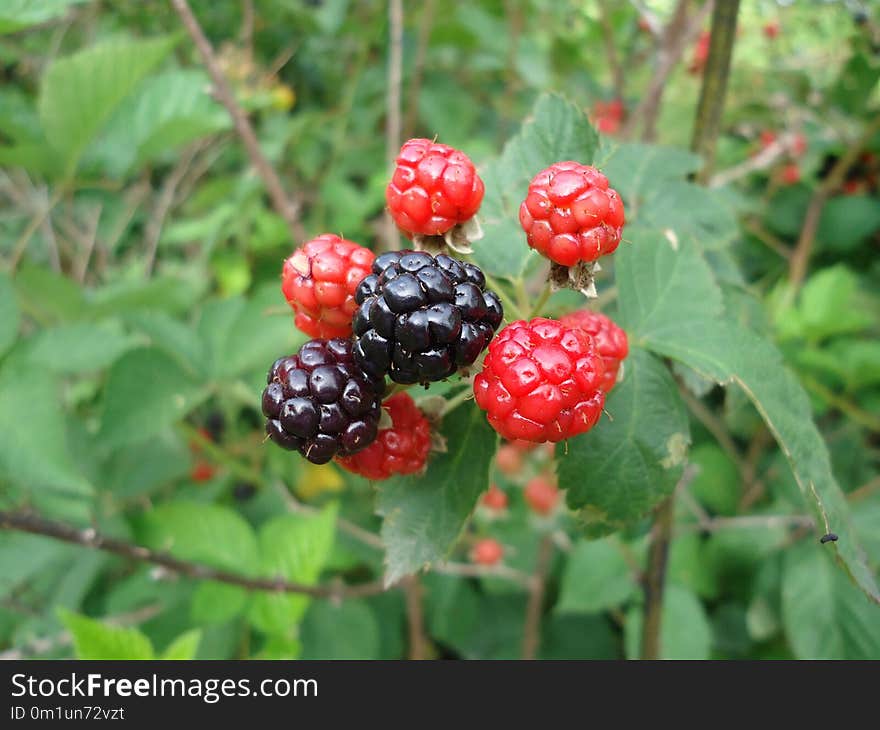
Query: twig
392	112
765	158
774	243
618	79
532	630
285	207
803	250
21	244
864	491
714	87
90	538
426	22
746	522
165	201
863	418
655	578
680	32
715	426
415	617
91	240
469	570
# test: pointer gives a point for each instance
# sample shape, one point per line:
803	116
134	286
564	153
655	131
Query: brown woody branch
286	208
94	540
532	632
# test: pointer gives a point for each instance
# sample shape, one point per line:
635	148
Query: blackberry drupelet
420	318
320	403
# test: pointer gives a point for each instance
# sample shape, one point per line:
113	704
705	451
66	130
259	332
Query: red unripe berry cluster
610	340
401	449
494	499
434	187
570	214
608	115
541	381
319	280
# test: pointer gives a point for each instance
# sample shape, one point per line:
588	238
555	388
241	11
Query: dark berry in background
320	403
421	318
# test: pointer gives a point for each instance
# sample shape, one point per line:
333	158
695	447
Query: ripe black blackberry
421	318
320	403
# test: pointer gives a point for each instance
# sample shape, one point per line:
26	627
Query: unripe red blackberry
401	448
610	341
570	215
320	403
319	280
421	318
541	382
434	187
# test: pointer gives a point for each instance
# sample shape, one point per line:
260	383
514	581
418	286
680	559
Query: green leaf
557	130
10	317
96	640
824	615
685	632
79	93
216	603
78	348
184	646
347	630
295	548
596	578
203	533
637	170
424	514
16	15
167	111
34	451
652	278
633	458
846	221
146	392
47	296
830	304
716	484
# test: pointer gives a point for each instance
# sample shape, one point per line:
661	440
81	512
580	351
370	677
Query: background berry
401	449
494	499
610	340
541	381
509	460
487	551
319	280
570	214
542	495
421	318
433	188
318	402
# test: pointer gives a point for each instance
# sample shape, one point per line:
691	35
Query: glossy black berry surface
320	402
420	318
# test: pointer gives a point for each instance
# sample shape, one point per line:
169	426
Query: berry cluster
420	317
570	214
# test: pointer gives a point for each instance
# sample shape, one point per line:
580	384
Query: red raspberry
767	137
494	499
541	381
401	449
319	280
487	551
434	187
799	145
542	495
610	341
608	115
202	471
570	214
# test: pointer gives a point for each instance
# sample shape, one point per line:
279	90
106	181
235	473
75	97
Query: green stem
511	308
219	456
542	300
714	88
457	400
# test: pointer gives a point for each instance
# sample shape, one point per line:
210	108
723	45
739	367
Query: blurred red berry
509	460
767	137
487	551
494	499
771	29
790	174
701	53
608	115
202	471
798	145
542	495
